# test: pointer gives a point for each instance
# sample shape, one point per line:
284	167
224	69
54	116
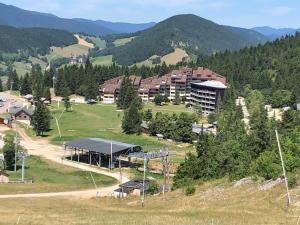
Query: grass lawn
211	204
49	176
35	60
100	43
122	41
102	60
21	68
104	121
169	108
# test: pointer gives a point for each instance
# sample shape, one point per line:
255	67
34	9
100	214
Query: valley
191	119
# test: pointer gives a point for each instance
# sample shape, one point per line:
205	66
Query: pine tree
132	120
148	115
9	151
25	88
92	89
38	87
163	69
41	119
177	99
47	94
127	94
13	81
65	93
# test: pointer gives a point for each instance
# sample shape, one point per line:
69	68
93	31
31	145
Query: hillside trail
43	148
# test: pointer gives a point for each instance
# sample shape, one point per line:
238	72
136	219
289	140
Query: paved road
41	147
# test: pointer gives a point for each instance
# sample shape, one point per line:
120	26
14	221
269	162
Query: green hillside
189	32
269	67
33	41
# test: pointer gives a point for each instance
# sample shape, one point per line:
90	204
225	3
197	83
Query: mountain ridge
274	33
194	34
13	16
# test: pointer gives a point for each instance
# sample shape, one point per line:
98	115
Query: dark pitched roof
101	145
15	110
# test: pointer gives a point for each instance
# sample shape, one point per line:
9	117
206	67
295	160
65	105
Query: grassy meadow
104	121
102	60
122	41
100	43
49	176
213	203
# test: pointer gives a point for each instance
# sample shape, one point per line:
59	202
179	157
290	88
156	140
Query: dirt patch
83	42
174	57
270	184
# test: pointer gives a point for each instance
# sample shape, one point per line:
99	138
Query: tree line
235	153
272	68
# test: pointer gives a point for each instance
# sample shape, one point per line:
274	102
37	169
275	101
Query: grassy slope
69	50
218	205
53	177
102	60
100	43
122	41
104	121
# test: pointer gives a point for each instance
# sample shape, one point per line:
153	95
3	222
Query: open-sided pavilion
98	149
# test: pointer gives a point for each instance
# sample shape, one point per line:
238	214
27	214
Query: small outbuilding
4	177
134	187
21	113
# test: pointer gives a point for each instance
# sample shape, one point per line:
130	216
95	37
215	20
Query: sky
241	13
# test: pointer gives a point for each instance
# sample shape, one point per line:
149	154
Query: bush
153	188
190	190
267	165
292	180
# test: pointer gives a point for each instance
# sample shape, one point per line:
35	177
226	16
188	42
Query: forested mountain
33	40
13	16
120	27
273	66
273	33
192	33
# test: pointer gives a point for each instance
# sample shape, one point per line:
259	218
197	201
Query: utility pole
111	155
24	155
121	178
16	142
283	169
144	178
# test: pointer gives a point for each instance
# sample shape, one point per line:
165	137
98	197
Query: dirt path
83	42
42	147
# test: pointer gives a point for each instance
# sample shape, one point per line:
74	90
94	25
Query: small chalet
21	113
134	187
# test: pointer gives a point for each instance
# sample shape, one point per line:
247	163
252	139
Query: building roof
136	184
15	110
100	145
213	84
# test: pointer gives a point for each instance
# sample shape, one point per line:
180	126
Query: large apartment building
177	81
208	95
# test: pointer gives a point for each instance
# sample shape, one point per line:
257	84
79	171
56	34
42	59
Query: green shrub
292	180
190	190
153	188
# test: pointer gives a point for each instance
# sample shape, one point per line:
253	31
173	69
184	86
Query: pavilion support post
99	159
71	149
78	156
90	153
